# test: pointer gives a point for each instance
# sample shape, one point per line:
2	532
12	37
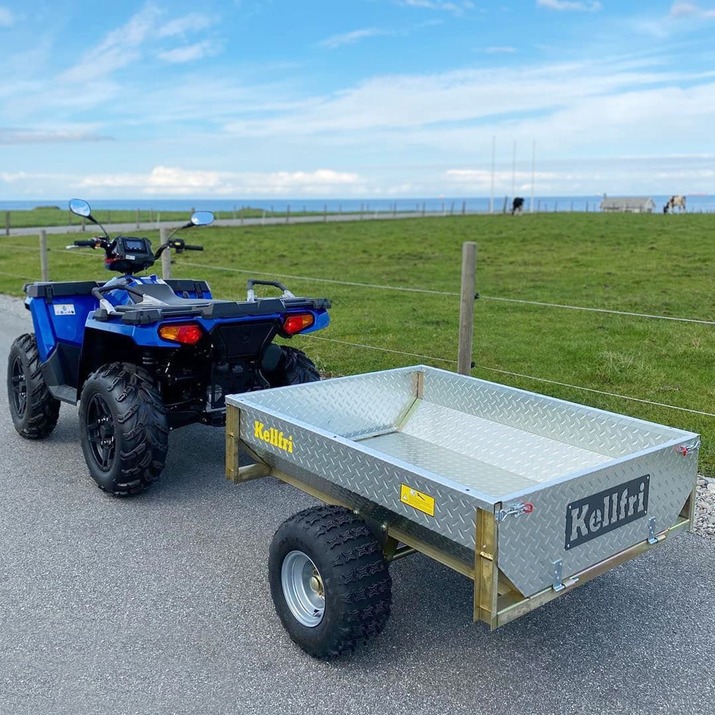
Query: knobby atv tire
349	576
33	410
123	428
294	368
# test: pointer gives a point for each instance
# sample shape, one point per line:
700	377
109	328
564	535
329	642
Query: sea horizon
696	203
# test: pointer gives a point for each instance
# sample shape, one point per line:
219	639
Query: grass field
654	264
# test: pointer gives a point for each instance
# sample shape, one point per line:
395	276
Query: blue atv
143	355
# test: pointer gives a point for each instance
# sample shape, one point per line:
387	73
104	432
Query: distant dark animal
517	205
675	202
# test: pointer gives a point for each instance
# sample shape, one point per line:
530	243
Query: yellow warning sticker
416	499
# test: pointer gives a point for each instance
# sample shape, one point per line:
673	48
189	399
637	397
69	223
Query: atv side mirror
80	207
202	218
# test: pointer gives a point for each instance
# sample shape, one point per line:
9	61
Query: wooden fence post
7	223
166	255
44	263
466	308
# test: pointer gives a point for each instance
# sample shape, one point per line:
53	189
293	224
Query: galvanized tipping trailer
527	495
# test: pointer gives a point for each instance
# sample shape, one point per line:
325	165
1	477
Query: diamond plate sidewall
587	428
350	406
367	474
530	543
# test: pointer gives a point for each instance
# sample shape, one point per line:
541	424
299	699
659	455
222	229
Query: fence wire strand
427	291
455	294
519	375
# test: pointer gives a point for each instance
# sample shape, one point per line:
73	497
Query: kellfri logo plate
610	509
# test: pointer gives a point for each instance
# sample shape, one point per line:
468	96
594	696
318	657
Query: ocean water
696	204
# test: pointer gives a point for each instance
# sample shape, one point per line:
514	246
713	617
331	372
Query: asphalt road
160	604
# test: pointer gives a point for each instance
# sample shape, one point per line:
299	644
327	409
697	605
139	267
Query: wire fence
541	304
437	358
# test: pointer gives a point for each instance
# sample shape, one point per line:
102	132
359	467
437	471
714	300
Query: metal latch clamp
559	584
514	510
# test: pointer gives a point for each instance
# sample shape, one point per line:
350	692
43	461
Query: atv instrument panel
129	245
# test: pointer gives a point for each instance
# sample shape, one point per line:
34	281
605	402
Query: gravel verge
705	507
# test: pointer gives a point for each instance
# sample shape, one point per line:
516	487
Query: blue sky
355	98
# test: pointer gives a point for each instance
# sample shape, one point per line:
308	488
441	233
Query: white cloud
193	22
399	102
189	53
351	38
689	9
127	44
6	17
48	136
571	5
119	48
457	7
175	181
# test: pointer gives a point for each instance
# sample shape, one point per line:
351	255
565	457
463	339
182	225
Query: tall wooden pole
466	309
44	264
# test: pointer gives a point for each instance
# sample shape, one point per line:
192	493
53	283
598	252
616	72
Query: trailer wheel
294	368
329	581
124	430
33	410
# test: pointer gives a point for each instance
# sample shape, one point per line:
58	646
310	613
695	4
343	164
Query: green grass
646	264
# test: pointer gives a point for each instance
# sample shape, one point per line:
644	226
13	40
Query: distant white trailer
629	204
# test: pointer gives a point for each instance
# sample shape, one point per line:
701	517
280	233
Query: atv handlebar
91	243
178	245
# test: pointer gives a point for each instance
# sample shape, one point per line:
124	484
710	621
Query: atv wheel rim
19	387
303	589
100	432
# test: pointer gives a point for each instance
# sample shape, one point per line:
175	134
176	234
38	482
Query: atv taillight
184	333
295	323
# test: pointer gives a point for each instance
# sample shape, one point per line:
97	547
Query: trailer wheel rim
303	589
100	432
19	387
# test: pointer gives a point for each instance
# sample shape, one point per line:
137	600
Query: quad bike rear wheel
124	429
294	368
33	410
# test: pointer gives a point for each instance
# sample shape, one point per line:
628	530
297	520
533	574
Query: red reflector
295	323
528	508
186	334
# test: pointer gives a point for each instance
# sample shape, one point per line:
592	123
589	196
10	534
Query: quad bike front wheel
329	581
124	429
33	410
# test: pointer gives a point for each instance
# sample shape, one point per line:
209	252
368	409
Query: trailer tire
123	429
294	368
33	410
329	581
